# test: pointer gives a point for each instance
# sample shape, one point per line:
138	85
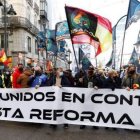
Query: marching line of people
26	77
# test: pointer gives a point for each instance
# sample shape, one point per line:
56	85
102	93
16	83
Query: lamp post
10	11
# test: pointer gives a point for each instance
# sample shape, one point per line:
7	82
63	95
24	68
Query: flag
133	12
41	40
62	45
110	62
51	42
112	57
8	61
134	59
83	25
114	33
138	40
62	50
84	60
3	56
62	31
50	34
52	46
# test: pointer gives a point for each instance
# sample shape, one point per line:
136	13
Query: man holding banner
131	79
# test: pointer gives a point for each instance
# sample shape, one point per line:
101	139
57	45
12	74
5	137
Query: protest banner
80	106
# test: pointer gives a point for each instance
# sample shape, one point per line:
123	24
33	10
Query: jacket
24	79
40	80
128	81
15	76
64	81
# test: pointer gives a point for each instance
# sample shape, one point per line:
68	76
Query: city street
30	131
69	62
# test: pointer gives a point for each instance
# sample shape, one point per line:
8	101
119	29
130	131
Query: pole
71	40
5	28
114	55
38	56
69	59
79	54
114	44
124	36
96	62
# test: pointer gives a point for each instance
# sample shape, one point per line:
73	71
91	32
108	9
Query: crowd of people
26	77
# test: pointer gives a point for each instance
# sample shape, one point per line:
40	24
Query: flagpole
124	36
96	62
79	47
71	40
55	60
114	43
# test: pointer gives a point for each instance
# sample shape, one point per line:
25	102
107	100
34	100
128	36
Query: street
30	131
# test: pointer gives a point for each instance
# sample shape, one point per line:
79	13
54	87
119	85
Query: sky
110	9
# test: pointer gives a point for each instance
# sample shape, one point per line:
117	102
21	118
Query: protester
111	81
23	79
117	78
50	76
100	77
88	80
68	74
1	80
91	81
38	79
7	79
79	82
60	79
17	72
131	78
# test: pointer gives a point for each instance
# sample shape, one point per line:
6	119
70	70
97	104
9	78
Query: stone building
22	30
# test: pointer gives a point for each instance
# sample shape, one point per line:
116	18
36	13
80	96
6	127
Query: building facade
23	29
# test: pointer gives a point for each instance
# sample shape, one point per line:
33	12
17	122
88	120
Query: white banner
81	106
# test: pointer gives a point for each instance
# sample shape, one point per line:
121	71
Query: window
2	40
43	5
29	43
36	47
36	8
30	2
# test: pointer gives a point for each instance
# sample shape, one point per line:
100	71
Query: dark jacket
7	80
111	83
1	82
64	81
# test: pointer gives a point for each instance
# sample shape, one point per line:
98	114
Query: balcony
30	2
19	22
43	14
36	8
